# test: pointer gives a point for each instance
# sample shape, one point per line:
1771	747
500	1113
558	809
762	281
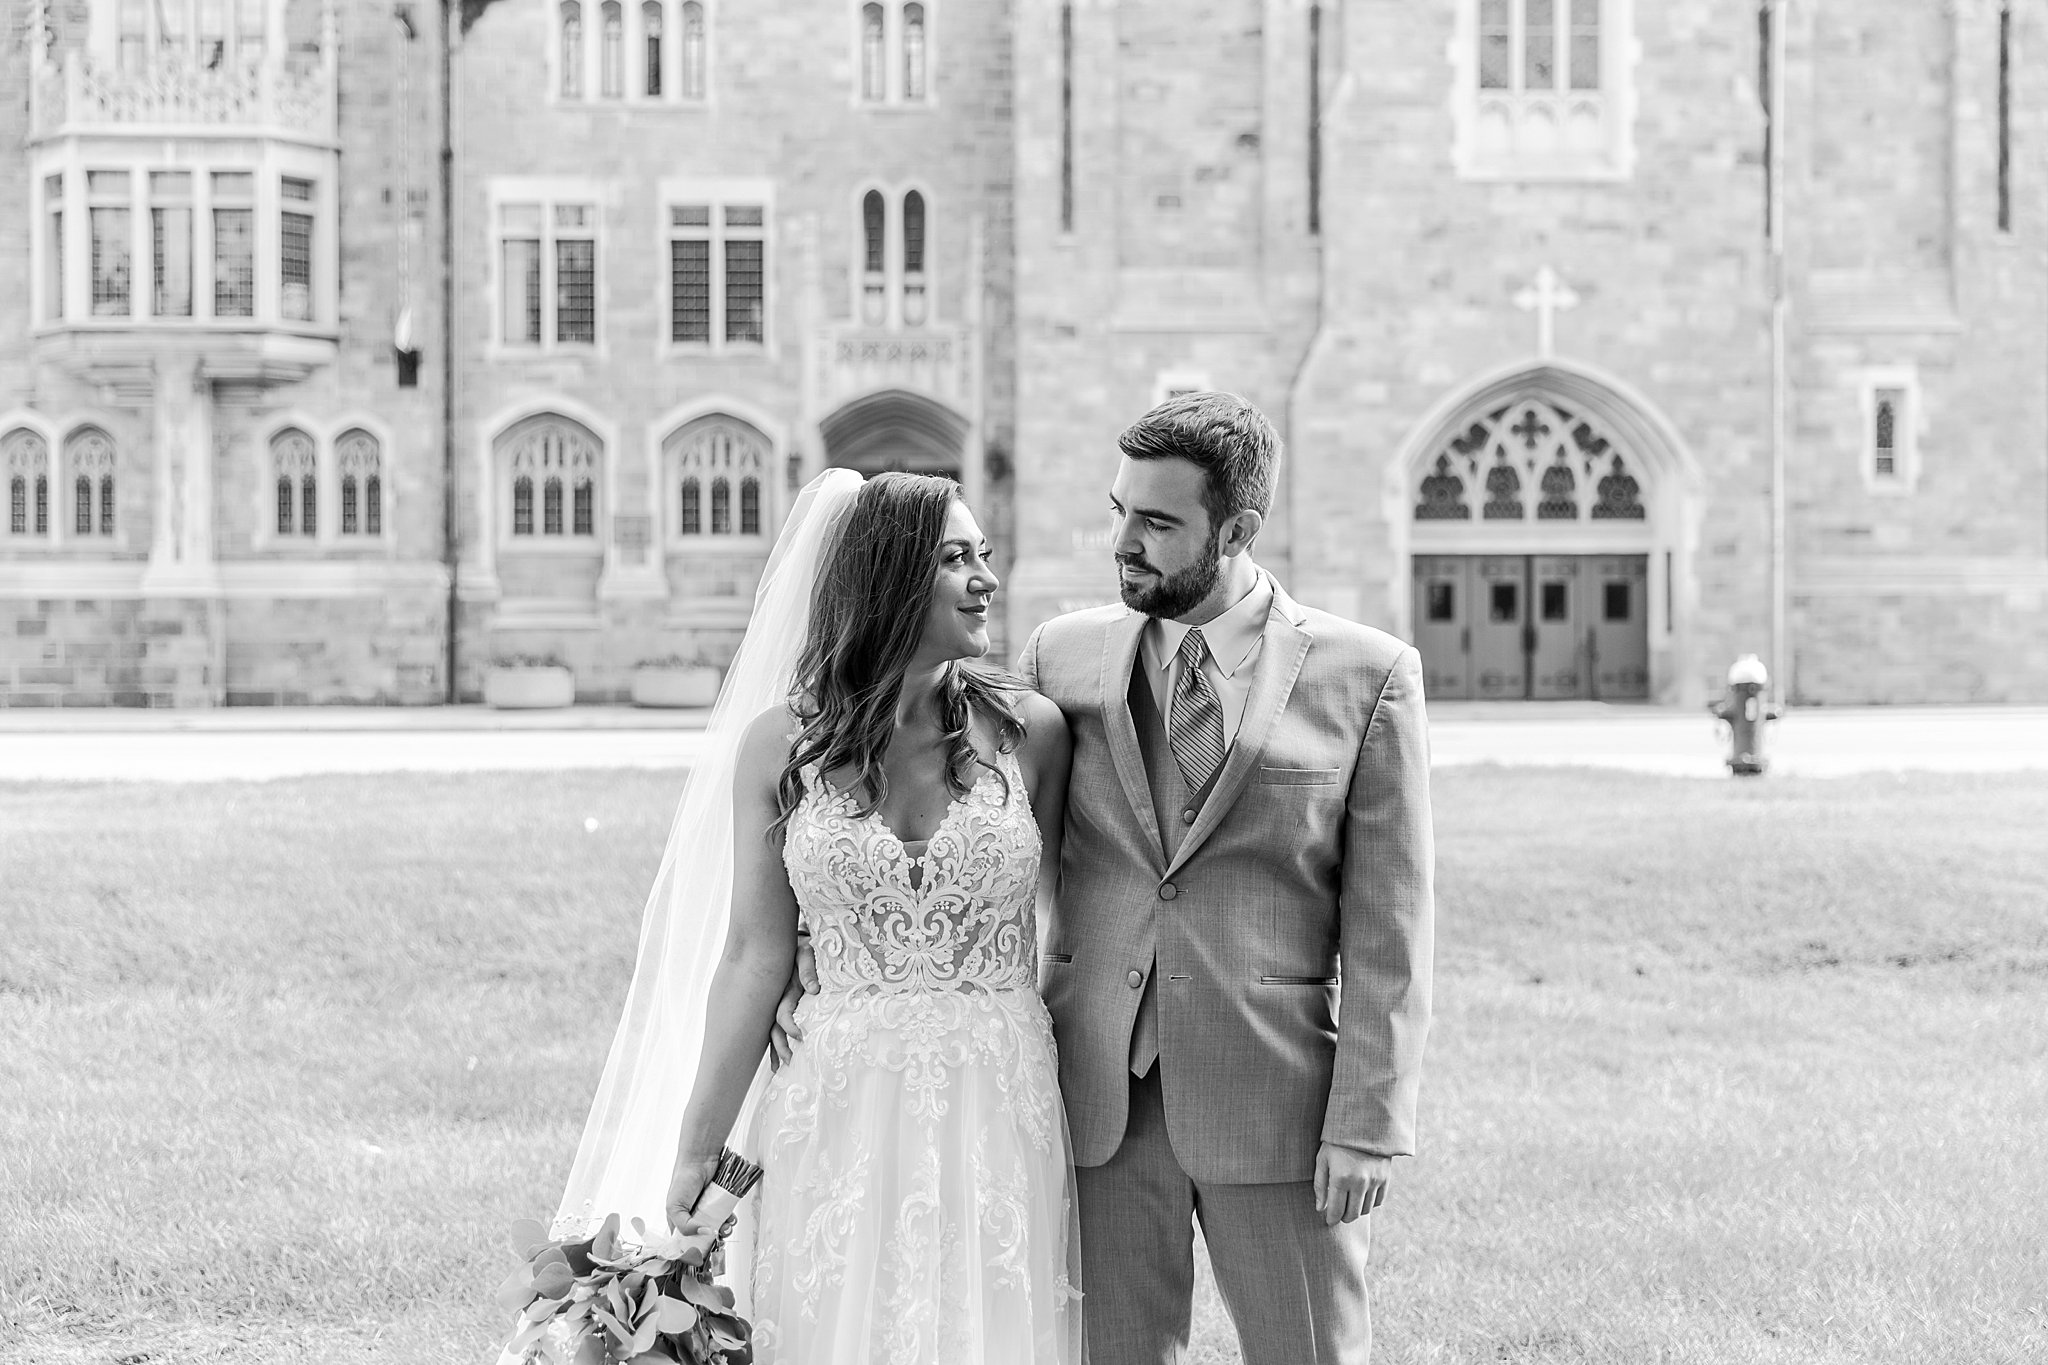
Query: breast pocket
1299	777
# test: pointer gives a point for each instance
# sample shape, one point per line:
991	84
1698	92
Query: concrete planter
529	688
696	685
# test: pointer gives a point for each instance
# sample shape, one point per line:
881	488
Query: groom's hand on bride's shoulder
1349	1183
803	980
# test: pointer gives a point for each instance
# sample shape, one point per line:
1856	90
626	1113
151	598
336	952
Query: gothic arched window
714	453
913	258
551	507
89	455
721	507
562	458
695	44
612	52
359	459
522	506
750	507
27	458
572	49
1535	460
295	468
913	52
874	54
650	29
874	264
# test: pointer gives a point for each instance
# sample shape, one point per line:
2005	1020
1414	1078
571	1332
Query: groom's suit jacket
1286	939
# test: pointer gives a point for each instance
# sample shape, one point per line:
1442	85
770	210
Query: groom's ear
1239	531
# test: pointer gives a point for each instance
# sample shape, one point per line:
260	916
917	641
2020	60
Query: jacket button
1167	891
1136	978
1187	817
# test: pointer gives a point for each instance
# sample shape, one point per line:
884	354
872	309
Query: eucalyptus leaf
675	1315
553	1281
517	1290
643	1338
591	1351
527	1234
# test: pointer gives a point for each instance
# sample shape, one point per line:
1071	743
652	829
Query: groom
1238	968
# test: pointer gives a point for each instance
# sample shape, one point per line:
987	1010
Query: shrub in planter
676	681
527	682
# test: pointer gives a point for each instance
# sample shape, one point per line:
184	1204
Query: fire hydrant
1744	711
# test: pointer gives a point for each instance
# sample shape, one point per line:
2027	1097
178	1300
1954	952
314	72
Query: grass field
1723	1072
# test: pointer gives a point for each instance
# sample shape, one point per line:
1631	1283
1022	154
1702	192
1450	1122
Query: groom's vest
1176	809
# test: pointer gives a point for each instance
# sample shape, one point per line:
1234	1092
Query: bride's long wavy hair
868	613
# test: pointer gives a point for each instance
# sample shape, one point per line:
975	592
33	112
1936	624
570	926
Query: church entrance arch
896	430
1545	516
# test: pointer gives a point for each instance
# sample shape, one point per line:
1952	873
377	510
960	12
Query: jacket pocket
1298	777
1059	957
1297	981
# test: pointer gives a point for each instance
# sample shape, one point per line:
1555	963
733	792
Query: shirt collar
1231	637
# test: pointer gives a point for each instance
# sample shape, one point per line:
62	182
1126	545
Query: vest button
1136	978
1187	817
1167	891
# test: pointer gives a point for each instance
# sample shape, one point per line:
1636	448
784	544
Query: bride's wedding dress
918	1200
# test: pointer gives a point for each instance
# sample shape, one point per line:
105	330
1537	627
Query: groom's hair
1236	447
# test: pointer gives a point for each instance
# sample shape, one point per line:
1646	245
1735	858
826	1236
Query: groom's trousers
1295	1288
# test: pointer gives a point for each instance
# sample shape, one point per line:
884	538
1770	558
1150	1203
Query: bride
894	799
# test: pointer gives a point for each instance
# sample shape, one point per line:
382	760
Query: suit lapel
1281	653
1119	656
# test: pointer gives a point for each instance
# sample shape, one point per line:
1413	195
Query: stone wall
69	652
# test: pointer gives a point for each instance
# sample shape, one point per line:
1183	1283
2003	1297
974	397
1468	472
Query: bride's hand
803	980
684	1186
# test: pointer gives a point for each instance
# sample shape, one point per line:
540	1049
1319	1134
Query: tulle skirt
917	1203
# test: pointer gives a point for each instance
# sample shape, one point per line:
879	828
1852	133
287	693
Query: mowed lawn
1742	1072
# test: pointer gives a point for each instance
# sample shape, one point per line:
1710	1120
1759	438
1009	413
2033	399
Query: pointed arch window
707	459
874	263
913	259
1532	459
359	460
612	52
26	456
696	44
295	466
560	460
89	454
913	53
874	54
650	33
572	49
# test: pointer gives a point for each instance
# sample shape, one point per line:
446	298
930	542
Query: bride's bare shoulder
764	748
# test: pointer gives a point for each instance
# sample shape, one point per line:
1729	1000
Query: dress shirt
1233	640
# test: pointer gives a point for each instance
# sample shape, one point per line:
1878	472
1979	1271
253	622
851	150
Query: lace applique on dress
917	1205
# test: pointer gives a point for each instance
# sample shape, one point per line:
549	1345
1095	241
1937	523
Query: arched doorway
1547	556
896	430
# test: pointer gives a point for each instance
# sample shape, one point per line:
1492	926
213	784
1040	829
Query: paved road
197	746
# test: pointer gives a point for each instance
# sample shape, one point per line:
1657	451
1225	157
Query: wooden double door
1533	627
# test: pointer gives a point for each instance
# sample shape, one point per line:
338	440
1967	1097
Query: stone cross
1546	297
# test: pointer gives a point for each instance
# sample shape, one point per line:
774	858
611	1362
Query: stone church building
1609	339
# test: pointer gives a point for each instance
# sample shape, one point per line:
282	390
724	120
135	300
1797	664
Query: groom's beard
1172	595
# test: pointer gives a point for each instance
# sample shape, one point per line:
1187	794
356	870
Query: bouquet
605	1300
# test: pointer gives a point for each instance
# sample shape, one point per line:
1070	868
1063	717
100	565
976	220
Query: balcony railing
294	99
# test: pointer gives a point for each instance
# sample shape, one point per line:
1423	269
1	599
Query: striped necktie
1194	723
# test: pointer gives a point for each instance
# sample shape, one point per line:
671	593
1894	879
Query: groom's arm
1387	910
1027	661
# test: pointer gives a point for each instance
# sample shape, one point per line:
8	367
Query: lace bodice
964	923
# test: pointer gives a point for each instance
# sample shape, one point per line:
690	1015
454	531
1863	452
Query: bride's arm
760	943
1047	755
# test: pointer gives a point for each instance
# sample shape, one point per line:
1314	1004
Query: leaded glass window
89	455
650	30
874	54
26	457
695	44
1885	448
1535	460
692	520
572	49
913	52
721	507
295	468
295	251
359	460
750	507
714	453
552	451
611	63
913	258
112	246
